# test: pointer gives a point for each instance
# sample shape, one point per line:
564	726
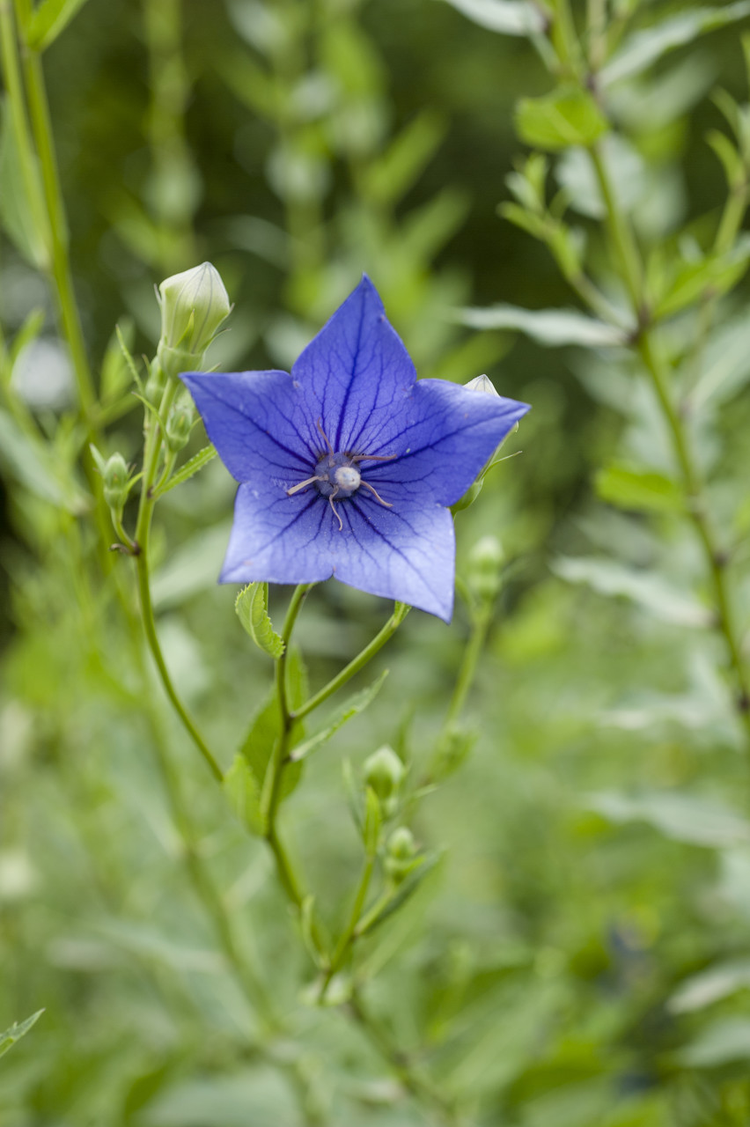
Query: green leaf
251	606
49	20
243	792
643	48
354	705
33	465
650	591
724	1041
392	174
681	817
403	892
18	1030
719	981
710	276
639	489
116	372
565	117
508	17
196	463
549	327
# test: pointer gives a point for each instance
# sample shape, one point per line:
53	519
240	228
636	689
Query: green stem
288	878
20	126
61	272
349	934
626	248
357	663
413	1079
141	550
472	652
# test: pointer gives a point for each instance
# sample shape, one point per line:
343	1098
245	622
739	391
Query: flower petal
258	424
443	438
406	555
355	372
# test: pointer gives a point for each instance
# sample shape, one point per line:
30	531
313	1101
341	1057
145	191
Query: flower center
337	473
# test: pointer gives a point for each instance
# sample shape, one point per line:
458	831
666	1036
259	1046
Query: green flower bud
116	484
179	424
484	568
400	853
193	306
482	385
383	772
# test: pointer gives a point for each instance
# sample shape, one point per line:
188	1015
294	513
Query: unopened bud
482	384
193	306
116	485
484	568
179	424
383	772
400	853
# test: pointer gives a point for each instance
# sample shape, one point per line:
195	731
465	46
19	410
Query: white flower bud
193	306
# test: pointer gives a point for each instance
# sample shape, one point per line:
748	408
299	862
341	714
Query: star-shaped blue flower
348	465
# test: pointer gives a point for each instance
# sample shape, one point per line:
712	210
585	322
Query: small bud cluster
384	773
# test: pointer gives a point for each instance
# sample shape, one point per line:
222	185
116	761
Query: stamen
387	504
319	425
373	457
302	484
335	513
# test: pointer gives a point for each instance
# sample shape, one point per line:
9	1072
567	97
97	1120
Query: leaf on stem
682	817
356	703
645	47
16	206
639	489
549	327
18	1030
650	591
508	17
402	892
251	606
567	116
49	20
243	792
711	276
196	463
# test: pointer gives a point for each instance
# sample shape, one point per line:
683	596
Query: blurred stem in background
173	188
51	228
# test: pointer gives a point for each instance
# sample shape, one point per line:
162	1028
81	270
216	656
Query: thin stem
61	272
288	878
357	663
420	1086
472	652
349	934
625	245
141	550
20	126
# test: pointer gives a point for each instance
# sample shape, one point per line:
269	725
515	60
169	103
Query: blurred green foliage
578	954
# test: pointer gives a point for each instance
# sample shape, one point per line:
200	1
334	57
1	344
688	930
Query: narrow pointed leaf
355	704
18	1030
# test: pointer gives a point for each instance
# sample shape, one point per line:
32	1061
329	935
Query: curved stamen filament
387	504
335	511
319	425
302	484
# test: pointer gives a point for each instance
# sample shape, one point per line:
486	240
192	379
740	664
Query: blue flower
348	465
